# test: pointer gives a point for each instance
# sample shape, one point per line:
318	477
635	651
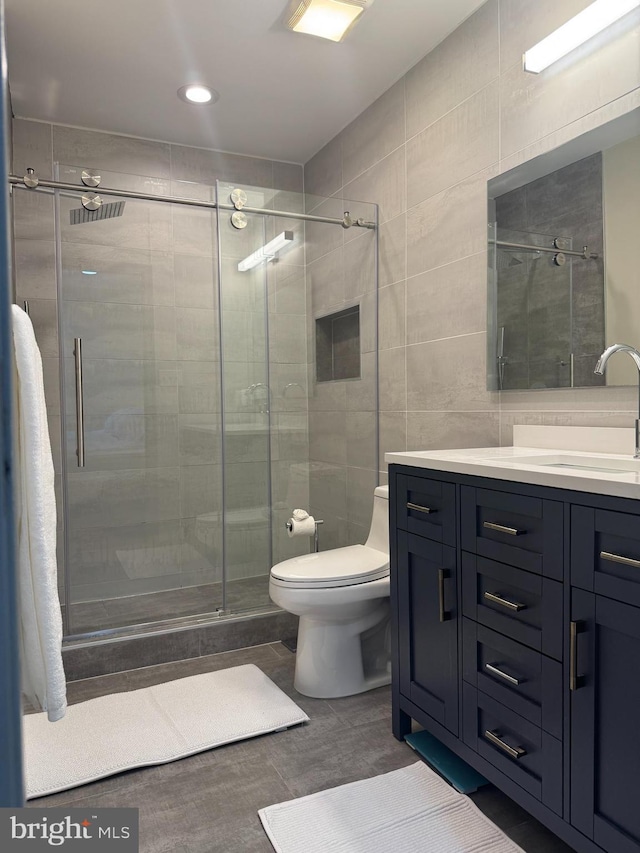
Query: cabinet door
428	630
605	715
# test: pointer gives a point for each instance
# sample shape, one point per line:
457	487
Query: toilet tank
379	533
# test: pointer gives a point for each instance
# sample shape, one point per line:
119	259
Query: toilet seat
355	564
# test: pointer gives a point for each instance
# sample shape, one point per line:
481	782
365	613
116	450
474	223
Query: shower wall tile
359	262
200	439
328	437
198	387
386	182
457	68
391	315
393	380
134	276
246	485
361	439
323	173
126	439
195	281
448	301
194	231
288	285
376	132
206	167
200	490
466	140
362	394
288	339
32	147
45	324
324	237
197	336
126	331
32	215
392	261
35	269
91	149
288	177
360	485
113	498
325	277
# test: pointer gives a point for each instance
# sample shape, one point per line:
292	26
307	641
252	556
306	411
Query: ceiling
116	65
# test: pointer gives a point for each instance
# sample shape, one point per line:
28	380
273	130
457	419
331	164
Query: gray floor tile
208	803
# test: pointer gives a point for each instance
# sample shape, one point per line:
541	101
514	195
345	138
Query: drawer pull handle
575	681
442	575
516	606
512	531
512	751
427	510
617	558
490	667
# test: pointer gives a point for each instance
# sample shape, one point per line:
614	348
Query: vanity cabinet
516	642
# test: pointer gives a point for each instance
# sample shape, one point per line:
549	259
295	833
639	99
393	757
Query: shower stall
185	377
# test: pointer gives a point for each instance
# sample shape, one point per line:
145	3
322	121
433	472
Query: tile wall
424	152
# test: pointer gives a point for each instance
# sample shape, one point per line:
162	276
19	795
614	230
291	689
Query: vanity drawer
515	529
605	553
524	606
518	677
427	507
525	753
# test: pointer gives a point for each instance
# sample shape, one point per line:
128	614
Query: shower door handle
77	352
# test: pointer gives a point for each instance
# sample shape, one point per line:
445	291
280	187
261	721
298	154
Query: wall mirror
564	267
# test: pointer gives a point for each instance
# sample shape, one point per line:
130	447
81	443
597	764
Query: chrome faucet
600	368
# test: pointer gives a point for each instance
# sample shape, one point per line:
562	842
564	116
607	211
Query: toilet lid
339	567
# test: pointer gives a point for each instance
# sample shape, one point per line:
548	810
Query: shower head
108	210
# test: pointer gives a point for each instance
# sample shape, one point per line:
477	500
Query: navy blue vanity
516	641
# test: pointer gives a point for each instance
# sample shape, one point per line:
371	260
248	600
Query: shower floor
243	594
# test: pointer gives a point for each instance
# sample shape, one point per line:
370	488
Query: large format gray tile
323	173
444	430
461	65
376	132
392	250
448	301
458	145
392	380
448	226
205	167
386	182
448	375
32	147
35	269
92	149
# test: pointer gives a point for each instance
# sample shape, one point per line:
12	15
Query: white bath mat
407	810
152	726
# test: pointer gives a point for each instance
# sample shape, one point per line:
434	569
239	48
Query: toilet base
343	659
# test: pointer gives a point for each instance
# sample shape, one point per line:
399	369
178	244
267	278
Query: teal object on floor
463	777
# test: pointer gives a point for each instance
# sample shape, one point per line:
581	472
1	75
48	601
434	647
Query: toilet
342	599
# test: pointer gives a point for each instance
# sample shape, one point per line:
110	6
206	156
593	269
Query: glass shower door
265	418
138	327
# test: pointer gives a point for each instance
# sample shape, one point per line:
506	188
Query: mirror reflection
564	282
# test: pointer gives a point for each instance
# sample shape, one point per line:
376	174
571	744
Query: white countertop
518	463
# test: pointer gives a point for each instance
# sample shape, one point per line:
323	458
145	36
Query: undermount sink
613	465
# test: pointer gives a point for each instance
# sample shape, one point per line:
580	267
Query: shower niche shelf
338	345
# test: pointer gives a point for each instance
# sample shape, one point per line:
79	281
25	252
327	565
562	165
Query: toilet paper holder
315	535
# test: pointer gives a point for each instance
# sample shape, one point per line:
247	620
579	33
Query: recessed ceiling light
328	19
89	272
196	93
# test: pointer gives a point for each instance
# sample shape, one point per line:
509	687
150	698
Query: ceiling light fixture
196	93
588	23
89	272
267	252
327	19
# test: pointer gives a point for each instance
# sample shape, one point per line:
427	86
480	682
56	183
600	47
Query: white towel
43	680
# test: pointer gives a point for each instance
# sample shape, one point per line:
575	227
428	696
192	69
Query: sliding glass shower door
264	356
138	326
